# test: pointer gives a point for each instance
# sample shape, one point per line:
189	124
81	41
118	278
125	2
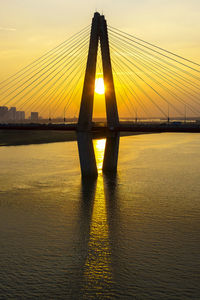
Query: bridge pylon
98	33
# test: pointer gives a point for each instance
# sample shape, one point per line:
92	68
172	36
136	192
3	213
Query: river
135	235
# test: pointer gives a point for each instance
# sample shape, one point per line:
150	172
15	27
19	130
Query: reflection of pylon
98	31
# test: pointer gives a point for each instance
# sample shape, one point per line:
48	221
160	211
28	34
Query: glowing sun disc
99	86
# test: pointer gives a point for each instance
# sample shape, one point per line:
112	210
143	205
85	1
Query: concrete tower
98	32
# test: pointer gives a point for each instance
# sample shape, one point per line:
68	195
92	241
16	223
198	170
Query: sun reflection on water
97	269
99	148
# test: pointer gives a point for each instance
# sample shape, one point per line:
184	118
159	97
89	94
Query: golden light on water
99	148
98	271
99	86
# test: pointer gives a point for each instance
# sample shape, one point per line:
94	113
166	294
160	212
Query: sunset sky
28	28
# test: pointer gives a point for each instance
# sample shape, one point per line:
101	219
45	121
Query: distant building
34	116
20	116
3	113
12	114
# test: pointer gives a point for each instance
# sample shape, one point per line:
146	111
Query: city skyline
11	114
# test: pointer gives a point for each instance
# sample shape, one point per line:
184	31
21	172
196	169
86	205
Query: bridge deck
123	127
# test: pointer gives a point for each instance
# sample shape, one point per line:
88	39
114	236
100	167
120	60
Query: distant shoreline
24	137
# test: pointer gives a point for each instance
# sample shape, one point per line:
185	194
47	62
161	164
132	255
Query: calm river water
133	236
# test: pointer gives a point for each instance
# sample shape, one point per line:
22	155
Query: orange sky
30	28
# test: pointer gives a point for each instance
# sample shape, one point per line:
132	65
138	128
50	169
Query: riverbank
28	137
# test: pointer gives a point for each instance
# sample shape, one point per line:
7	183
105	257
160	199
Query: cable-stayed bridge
149	81
142	82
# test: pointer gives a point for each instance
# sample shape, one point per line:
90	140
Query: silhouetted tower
86	151
98	32
111	104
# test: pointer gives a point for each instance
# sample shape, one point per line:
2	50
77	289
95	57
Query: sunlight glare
98	268
99	86
99	148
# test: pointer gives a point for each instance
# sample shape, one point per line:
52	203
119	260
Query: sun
99	86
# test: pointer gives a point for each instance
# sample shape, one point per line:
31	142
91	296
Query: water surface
130	236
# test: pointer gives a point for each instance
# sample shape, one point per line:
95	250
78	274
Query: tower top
96	15
99	32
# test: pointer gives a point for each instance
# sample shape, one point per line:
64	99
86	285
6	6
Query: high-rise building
12	114
20	116
3	113
34	116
